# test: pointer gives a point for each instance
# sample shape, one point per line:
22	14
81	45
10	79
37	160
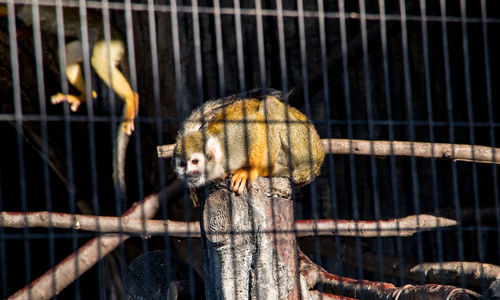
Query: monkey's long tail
119	155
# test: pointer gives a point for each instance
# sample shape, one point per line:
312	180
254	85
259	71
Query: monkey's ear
214	149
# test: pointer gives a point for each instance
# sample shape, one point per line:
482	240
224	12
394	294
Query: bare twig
461	152
73	266
165	150
457	152
473	272
393	227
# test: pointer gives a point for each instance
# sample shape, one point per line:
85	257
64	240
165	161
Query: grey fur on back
205	113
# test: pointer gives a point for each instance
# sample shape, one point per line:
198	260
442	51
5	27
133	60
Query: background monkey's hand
73	100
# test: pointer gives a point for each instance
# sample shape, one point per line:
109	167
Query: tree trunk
249	247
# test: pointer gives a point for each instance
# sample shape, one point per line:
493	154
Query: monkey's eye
194	161
182	163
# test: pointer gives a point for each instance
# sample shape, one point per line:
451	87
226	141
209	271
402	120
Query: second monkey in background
105	57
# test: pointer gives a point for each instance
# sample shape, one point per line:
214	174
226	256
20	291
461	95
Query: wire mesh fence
94	95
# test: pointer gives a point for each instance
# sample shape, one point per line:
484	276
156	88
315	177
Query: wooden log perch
244	254
457	152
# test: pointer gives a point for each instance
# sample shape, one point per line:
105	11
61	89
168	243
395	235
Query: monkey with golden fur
105	58
247	138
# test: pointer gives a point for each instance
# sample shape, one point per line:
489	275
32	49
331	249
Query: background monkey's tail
119	155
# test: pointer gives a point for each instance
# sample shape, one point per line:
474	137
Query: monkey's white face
193	170
197	170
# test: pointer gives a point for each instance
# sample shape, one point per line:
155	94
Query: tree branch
394	227
339	285
457	152
100	224
474	273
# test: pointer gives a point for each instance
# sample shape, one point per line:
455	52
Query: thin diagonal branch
88	255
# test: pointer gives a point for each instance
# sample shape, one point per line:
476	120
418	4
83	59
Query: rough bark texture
244	255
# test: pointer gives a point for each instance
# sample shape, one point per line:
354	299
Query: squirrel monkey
105	58
247	138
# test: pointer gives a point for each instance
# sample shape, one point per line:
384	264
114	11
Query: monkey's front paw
238	181
71	99
242	178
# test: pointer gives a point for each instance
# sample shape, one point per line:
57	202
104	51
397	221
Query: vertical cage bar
90	118
352	165
307	105
282	46
451	124
61	45
197	50
179	88
261	45
411	124
19	132
239	46
119	194
390	122
430	120
328	122
220	48
133	81
159	129
371	133
3	252
470	116
491	121
37	38
303	56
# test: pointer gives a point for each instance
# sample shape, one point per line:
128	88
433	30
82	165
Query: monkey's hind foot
73	100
